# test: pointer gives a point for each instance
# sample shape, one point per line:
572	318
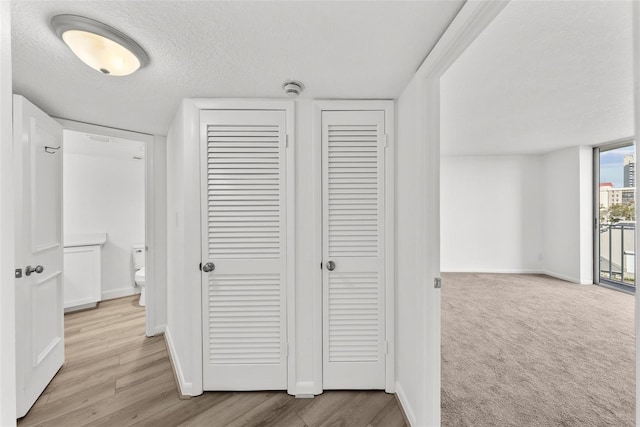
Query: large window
615	218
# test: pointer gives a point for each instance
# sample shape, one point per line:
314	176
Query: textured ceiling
542	76
223	49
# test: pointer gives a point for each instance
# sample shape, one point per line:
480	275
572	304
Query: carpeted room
527	338
532	350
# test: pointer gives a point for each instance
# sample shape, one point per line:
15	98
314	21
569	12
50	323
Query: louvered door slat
353	216
244	225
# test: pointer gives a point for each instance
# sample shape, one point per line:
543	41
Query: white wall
7	248
567	214
519	214
106	194
159	245
307	265
178	328
410	376
491	213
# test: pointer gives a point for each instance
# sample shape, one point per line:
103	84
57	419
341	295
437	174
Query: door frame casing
388	106
151	325
191	111
597	149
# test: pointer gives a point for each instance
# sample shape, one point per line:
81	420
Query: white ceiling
223	49
542	76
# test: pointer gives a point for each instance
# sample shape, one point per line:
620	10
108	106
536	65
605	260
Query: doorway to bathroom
104	219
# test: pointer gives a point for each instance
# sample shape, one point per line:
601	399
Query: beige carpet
529	350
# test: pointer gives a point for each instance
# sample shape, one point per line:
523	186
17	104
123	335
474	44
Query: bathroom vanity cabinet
82	271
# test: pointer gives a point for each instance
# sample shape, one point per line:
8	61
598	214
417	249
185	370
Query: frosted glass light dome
101	47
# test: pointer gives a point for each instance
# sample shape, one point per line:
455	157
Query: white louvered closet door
244	206
353	240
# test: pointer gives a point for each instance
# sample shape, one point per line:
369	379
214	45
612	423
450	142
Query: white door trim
7	228
388	106
636	77
151	326
192	108
472	19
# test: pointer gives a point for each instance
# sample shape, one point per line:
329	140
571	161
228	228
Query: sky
612	166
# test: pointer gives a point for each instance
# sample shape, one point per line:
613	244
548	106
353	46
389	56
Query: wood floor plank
389	416
135	410
184	410
140	375
230	409
115	376
88	414
52	410
360	411
323	405
266	411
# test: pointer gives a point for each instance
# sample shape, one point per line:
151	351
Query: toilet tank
138	254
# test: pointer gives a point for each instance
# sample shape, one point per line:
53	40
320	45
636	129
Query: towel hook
51	150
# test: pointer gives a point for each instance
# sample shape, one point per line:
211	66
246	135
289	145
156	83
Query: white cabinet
82	271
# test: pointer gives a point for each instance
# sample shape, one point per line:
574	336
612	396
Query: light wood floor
115	376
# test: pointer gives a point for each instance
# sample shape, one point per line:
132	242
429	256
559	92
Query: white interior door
354	346
39	293
244	235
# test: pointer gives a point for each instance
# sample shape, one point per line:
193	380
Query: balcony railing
617	253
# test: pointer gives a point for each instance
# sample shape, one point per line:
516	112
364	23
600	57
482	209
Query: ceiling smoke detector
292	88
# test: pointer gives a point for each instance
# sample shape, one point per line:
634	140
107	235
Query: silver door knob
208	267
331	266
37	269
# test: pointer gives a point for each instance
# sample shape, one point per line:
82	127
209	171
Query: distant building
630	170
605	188
615	196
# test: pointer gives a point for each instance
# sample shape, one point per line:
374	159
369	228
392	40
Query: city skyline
612	165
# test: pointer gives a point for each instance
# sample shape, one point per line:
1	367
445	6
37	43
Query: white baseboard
516	271
406	407
78	307
119	293
184	386
494	270
567	278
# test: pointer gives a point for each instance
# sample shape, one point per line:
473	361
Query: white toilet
138	264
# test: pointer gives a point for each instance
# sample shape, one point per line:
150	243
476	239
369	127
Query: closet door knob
331	266
208	267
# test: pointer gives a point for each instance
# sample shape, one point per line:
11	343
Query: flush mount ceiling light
100	46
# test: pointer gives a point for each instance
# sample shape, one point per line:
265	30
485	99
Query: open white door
353	167
39	248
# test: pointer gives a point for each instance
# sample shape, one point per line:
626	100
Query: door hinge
437	283
18	273
386	140
286	139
